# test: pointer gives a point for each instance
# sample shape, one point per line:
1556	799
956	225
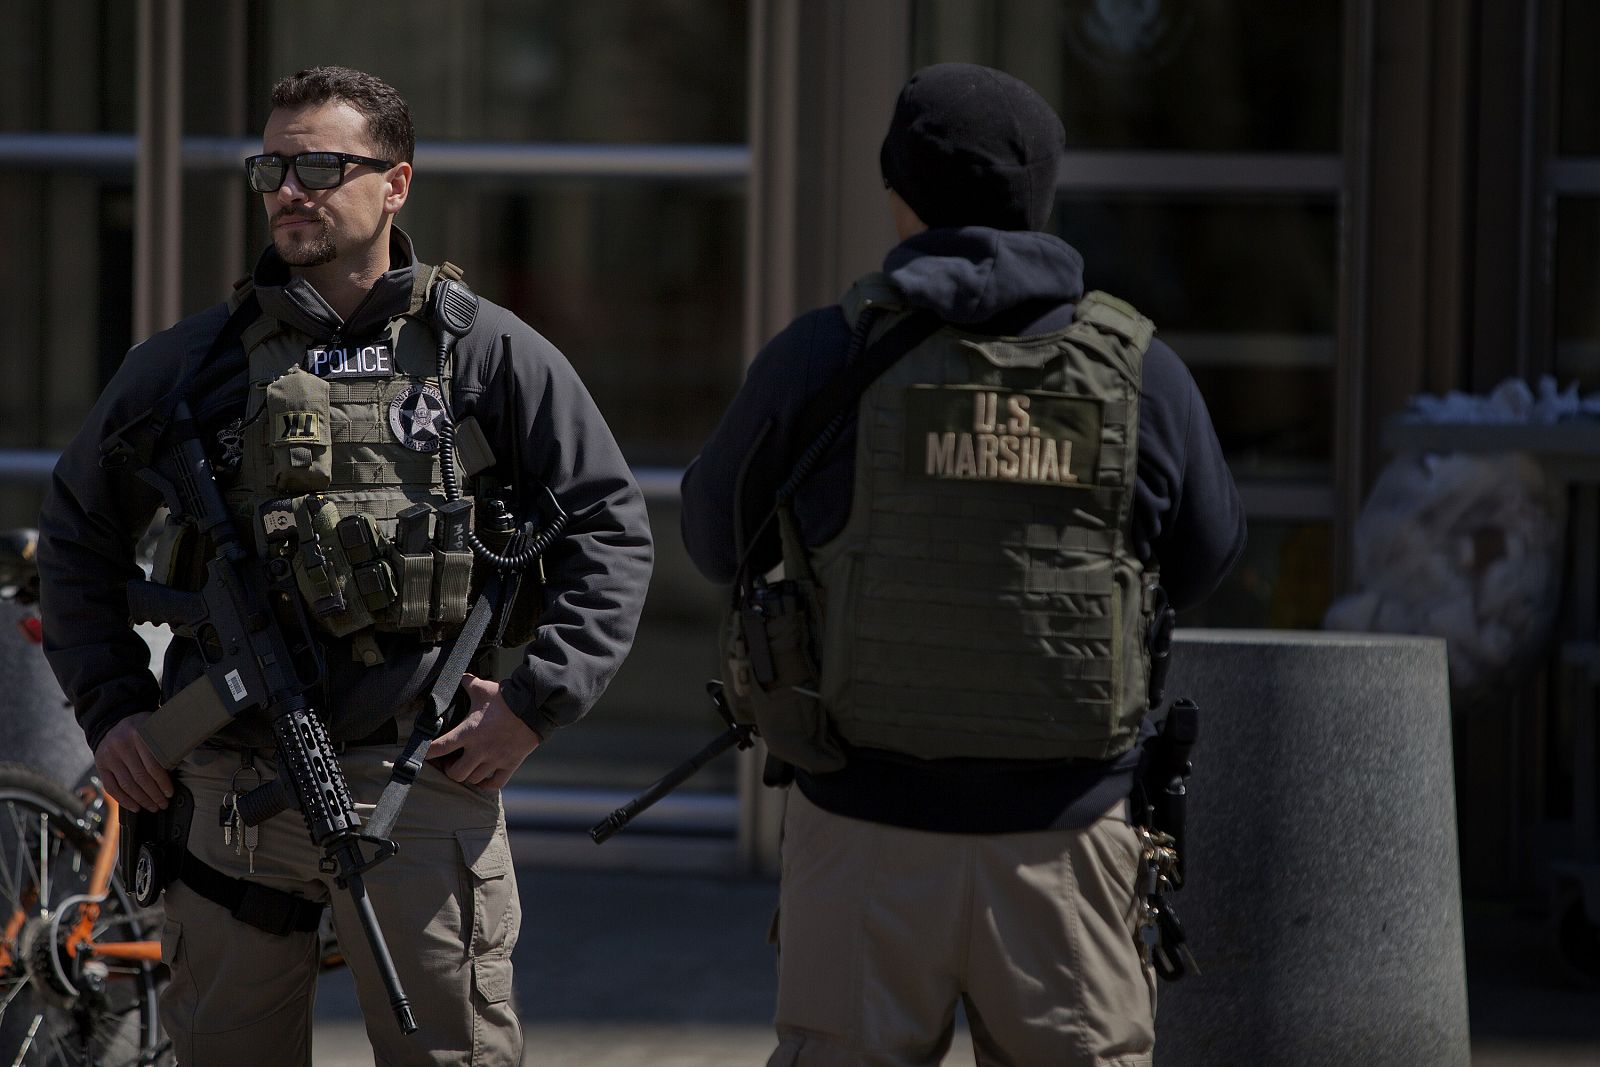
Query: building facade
1326	207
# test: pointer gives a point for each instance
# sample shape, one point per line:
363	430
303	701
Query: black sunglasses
314	170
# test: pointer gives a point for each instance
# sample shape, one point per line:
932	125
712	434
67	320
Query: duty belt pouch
298	412
773	626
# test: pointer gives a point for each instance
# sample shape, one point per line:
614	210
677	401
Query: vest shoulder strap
424	276
843	392
258	331
871	291
1117	317
243	289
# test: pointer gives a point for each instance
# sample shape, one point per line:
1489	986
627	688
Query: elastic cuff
525	706
539	724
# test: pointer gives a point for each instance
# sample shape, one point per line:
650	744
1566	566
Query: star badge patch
415	416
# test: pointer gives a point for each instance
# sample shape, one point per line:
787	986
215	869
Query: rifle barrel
349	859
733	735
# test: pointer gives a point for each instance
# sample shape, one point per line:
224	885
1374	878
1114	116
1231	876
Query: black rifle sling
431	719
820	422
248	311
145	433
840	396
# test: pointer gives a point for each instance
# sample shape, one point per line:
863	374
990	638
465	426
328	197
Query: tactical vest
982	599
331	461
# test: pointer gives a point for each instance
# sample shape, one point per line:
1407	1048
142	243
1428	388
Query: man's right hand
129	770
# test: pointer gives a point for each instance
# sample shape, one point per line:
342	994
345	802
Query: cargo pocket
179	998
491	978
171	943
496	912
496	1031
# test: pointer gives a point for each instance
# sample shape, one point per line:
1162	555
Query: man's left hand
486	747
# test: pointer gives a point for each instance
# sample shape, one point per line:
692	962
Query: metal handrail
1083	171
118	151
32	466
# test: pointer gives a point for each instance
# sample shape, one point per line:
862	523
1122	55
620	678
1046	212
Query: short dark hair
388	118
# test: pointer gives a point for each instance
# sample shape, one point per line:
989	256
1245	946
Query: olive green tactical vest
983	599
318	450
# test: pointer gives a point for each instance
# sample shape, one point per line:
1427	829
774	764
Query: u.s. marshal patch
1024	437
415	414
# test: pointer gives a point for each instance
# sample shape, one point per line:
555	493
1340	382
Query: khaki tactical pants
882	930
447	903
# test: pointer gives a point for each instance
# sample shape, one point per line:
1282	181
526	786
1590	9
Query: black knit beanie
973	146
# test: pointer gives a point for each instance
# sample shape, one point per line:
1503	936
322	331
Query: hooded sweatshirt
1186	514
540	421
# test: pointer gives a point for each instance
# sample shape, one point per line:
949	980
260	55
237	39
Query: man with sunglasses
321	402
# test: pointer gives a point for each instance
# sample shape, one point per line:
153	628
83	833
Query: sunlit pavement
624	969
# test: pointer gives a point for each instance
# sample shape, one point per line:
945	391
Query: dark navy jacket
534	410
1187	516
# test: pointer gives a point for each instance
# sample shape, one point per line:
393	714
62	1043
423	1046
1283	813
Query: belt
387	733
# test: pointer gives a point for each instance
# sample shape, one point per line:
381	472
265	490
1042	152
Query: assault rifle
738	735
250	623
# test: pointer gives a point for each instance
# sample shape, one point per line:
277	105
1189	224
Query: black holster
1160	796
152	846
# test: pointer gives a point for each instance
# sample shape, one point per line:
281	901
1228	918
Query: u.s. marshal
1003	445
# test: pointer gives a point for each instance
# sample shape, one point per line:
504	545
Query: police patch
351	361
415	414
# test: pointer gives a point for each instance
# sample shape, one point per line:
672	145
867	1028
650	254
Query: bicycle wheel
60	1008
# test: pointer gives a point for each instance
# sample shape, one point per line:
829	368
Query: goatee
300	248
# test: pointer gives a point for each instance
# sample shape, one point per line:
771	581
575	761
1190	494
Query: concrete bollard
1323	899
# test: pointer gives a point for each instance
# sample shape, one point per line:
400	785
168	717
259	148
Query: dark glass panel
69	66
1201	75
1223	264
1578	129
530	70
1577	292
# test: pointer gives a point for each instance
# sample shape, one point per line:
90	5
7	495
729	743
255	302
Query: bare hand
489	744
129	770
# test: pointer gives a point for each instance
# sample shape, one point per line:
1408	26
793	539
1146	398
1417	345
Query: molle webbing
370	471
982	600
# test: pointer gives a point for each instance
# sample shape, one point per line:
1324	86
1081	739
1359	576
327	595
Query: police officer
323	400
977	552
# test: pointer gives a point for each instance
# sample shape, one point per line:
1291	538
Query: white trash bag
1467	548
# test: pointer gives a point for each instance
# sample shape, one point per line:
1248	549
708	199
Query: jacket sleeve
89	527
732	482
1187	513
546	429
